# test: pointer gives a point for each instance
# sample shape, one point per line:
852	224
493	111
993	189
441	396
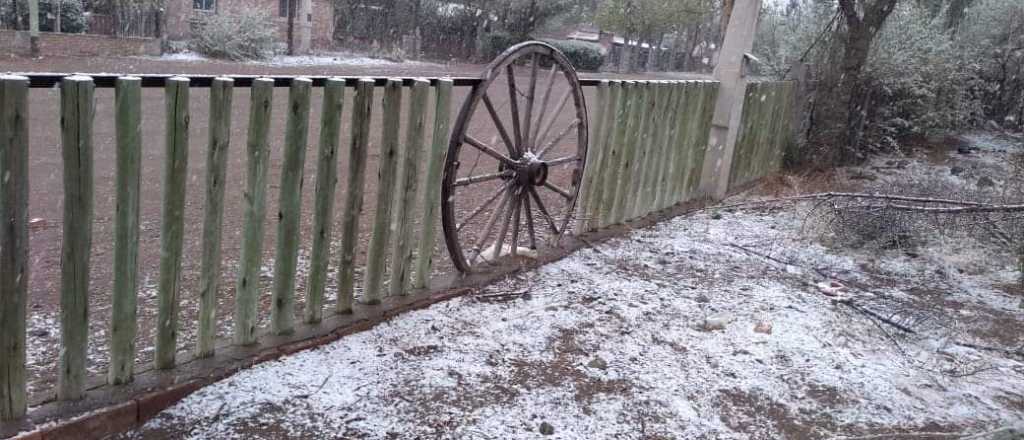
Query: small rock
546	428
703	299
598	363
963	149
716	322
39	333
957	170
763	327
902	164
716	216
985	182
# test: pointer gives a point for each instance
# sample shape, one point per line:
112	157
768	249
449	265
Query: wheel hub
531	171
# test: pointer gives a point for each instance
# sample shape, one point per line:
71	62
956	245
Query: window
282	7
204	5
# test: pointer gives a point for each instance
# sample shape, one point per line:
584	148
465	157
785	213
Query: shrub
582	55
72	15
495	43
248	36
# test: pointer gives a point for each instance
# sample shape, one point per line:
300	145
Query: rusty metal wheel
515	159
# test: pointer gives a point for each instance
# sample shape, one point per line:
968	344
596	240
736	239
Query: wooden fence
649	139
647	153
765	131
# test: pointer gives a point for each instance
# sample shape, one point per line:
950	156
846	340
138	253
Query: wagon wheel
515	159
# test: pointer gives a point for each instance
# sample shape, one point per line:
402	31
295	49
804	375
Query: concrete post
739	40
304	23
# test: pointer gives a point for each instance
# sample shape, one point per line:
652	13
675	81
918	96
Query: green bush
495	43
247	36
582	55
72	15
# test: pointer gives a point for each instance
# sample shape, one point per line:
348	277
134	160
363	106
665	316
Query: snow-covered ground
722	324
326	59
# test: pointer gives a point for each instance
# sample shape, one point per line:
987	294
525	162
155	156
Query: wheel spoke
490	227
543	210
515	225
482	178
544	102
561	160
501	127
480	208
513	101
488	150
529	222
504	226
558	190
561	135
531	91
552	117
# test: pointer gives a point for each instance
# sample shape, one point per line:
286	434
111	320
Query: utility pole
738	41
33	26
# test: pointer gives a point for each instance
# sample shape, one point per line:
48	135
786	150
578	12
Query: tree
861	29
645	21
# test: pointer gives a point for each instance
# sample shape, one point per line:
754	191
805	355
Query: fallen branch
845	195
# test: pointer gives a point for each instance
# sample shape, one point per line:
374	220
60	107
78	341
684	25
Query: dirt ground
46	192
747	320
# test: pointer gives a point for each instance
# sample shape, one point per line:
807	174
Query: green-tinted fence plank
629	145
14	263
77	108
623	91
639	153
407	182
432	183
389	153
687	134
128	121
710	94
592	167
596	210
172	228
289	207
668	148
257	151
361	113
653	147
326	182
216	166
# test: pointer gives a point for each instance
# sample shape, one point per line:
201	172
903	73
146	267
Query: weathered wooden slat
645	165
662	114
667	147
687	129
289	208
614	154
389	153
707	110
128	121
432	183
77	107
326	182
362	106
257	151
601	166
216	166
173	215
591	167
14	262
77	110
407	182
629	147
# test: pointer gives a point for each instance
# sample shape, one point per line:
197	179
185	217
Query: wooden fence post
14	263
389	153
128	105
613	158
257	163
172	229
668	148
216	164
326	182
77	108
289	205
362	106
597	209
432	183
594	155
408	181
